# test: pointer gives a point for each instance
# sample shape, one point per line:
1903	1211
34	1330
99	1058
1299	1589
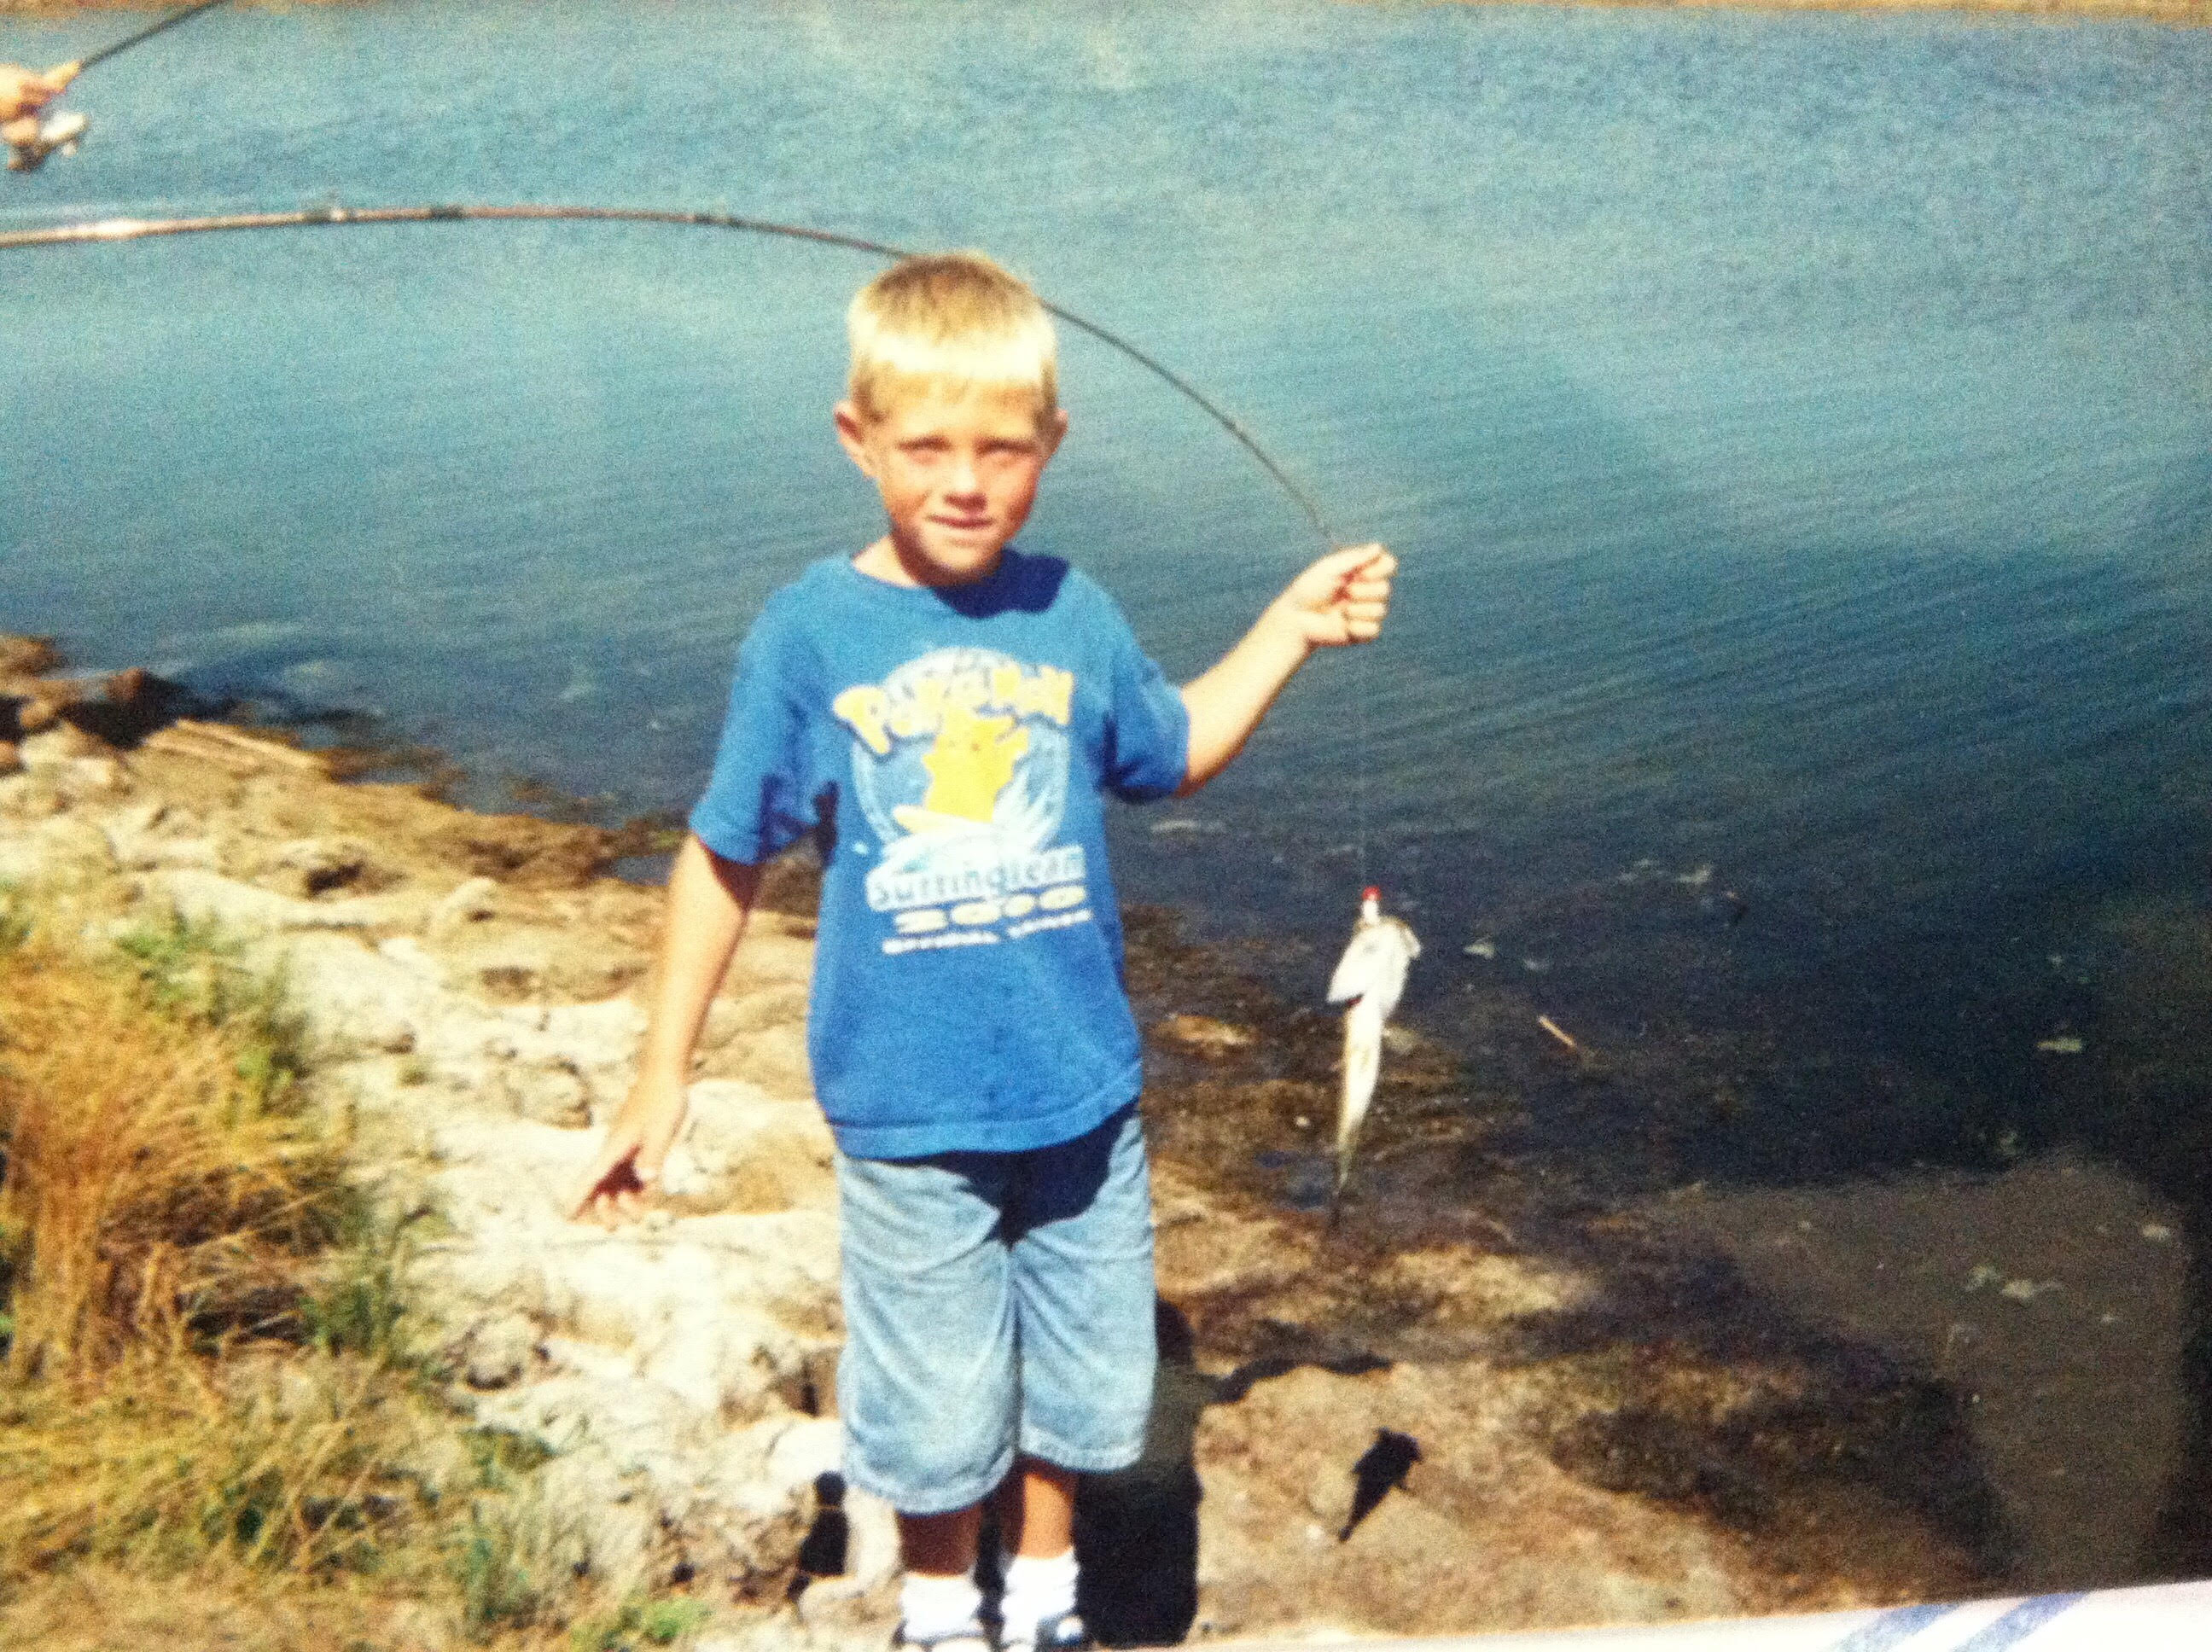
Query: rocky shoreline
1495	1422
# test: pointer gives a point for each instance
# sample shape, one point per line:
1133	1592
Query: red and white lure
1369	977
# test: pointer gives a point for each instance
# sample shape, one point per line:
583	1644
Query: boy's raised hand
626	1170
1342	597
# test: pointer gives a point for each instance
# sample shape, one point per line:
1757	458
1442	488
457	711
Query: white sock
931	1606
1037	1588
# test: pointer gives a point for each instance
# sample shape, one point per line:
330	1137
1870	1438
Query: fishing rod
62	131
183	14
332	216
335	216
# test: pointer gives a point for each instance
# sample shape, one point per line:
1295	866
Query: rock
552	1093
129	688
309	867
26	656
407	952
805	1451
150	836
600	1522
234	750
472	901
749	1152
352	994
208	897
498	1350
1203	1035
773	1057
681	1371
30	797
758	1011
91	777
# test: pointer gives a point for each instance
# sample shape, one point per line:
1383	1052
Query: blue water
1797	431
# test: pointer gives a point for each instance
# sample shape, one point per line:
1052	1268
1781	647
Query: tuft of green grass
14	916
190	968
635	1623
357	1306
500	1570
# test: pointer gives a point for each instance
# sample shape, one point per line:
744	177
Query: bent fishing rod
320	217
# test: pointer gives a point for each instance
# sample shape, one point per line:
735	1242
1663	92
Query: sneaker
970	1636
1061	1632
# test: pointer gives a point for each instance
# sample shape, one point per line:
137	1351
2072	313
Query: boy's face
957	467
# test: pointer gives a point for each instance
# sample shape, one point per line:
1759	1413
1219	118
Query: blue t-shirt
950	750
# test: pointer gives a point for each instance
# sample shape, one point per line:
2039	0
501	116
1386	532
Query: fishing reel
57	134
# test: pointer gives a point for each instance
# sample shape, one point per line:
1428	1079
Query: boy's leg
1035	1506
926	1387
939	1604
1037	1527
1084	1299
1080	1233
940	1545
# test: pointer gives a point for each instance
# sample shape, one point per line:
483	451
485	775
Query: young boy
945	713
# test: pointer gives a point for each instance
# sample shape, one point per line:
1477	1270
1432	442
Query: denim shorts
995	1304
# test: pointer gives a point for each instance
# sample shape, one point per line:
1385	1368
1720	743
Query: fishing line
333	217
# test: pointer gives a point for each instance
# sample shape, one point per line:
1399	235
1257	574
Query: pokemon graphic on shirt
960	763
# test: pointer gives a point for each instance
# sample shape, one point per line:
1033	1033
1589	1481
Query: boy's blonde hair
948	318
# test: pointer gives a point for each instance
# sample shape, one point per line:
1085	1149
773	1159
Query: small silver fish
1370	977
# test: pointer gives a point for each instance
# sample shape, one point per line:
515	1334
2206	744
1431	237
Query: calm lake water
1797	431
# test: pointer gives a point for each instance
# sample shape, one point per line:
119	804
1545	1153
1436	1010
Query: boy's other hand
24	92
623	1173
1343	598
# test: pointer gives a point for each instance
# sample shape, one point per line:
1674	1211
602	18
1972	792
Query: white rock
248	909
736	1365
805	1450
407	952
350	992
589	1359
498	1350
469	903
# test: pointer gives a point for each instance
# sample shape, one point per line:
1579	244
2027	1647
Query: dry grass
210	1421
161	1183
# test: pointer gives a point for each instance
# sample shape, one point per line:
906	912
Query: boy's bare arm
1342	599
709	900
